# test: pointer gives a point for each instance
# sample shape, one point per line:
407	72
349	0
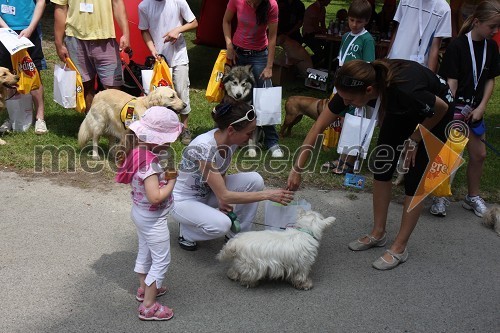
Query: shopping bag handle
270	84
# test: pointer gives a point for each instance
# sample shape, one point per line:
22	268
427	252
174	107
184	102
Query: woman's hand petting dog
280	196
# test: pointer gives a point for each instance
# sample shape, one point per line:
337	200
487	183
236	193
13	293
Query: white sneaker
277	153
438	207
475	204
6	126
252	152
40	126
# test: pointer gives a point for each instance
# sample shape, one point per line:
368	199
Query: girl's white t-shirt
190	184
159	17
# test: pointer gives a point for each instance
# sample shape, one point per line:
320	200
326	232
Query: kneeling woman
203	192
410	94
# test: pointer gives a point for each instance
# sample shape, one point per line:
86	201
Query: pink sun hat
158	125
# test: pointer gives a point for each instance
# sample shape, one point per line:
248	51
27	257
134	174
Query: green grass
63	125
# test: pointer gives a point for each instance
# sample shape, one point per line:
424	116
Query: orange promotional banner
443	162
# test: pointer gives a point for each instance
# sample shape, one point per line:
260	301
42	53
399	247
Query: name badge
86	7
6	9
418	58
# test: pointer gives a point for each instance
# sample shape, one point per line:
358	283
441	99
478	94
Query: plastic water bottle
235	223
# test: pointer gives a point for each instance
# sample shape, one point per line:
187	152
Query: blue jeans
259	62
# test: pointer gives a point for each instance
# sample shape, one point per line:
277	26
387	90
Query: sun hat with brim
158	125
478	127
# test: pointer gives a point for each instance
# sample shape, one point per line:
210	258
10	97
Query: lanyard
370	124
342	57
421	27
474	65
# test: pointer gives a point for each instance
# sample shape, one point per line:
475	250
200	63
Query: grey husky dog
238	84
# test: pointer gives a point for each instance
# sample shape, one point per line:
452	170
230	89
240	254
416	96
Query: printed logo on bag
163	83
79	89
27	66
438	168
219	76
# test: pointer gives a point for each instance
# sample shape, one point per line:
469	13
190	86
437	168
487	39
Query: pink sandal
140	293
155	312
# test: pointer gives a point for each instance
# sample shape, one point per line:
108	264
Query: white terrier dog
492	218
270	254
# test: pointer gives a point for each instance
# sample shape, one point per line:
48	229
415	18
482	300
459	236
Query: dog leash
14	94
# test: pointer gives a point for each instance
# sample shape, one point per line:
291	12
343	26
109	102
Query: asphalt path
67	258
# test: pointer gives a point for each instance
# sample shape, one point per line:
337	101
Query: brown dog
298	106
8	84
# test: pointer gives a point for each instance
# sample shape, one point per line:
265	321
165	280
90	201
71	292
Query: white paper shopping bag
267	104
20	108
147	75
357	133
64	86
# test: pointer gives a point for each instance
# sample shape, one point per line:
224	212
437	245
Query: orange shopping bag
80	96
23	65
161	75
215	88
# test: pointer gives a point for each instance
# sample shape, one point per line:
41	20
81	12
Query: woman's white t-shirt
190	184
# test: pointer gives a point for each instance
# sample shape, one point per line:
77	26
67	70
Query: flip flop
346	167
331	165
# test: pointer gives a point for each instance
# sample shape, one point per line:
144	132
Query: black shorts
35	52
393	133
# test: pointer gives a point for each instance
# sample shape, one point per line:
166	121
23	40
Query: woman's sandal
330	165
343	168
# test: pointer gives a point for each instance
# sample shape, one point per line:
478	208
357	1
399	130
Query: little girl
470	66
152	200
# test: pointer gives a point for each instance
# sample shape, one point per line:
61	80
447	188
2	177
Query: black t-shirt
412	93
457	64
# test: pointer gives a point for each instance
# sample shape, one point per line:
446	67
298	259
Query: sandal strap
395	256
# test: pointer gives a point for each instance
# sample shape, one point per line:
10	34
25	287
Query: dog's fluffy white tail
228	252
84	135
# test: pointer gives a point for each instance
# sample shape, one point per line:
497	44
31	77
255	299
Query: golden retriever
8	81
105	114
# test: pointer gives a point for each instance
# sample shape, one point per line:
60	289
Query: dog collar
307	231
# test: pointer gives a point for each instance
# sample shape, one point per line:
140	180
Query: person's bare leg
89	92
184	120
477	156
381	200
38	101
409	220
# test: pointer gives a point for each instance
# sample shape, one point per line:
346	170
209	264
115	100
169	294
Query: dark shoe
187	245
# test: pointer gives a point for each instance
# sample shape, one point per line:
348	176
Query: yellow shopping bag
332	134
215	88
443	164
161	75
80	95
23	65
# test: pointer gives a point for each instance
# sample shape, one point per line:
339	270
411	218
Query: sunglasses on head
250	116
